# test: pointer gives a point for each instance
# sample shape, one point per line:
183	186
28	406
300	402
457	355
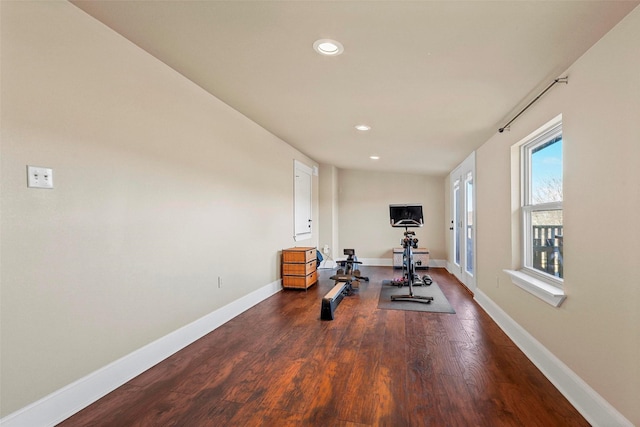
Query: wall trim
378	262
592	406
327	264
449	267
63	403
388	262
438	263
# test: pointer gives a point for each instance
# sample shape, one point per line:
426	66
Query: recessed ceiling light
374	157
363	127
328	47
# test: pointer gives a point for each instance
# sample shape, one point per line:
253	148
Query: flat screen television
406	215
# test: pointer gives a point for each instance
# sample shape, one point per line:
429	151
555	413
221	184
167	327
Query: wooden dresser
299	267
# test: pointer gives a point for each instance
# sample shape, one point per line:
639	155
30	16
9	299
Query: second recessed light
328	47
363	127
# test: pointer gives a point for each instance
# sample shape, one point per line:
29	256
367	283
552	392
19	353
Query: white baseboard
379	262
63	403
597	411
449	267
388	262
327	264
438	263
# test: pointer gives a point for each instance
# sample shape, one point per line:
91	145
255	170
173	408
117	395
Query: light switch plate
38	177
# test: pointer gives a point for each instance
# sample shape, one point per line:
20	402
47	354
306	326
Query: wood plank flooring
278	364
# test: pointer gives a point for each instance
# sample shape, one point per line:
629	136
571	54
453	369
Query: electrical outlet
38	177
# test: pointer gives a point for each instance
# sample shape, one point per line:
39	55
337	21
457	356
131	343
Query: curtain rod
558	80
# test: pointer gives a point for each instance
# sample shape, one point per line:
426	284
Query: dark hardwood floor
278	364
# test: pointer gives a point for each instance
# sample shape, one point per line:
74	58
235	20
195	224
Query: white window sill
548	293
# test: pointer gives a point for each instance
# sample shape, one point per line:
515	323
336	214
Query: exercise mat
440	304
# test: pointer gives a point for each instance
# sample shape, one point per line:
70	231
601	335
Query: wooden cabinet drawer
302	282
291	269
301	255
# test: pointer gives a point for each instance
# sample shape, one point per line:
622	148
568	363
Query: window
541	236
542	205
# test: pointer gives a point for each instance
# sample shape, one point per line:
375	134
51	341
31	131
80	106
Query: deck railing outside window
548	249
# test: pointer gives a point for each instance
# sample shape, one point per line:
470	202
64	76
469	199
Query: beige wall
364	199
160	189
328	183
596	332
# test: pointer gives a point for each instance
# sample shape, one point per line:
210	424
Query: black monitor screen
406	215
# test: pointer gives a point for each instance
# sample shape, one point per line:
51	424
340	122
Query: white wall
364	199
596	332
160	189
329	208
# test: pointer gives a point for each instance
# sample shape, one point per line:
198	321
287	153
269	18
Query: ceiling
433	79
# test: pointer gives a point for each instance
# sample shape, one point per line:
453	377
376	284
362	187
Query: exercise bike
347	279
407	216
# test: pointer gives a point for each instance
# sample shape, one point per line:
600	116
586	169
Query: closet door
302	201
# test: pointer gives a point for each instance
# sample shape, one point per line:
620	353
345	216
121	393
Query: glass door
455	198
462	228
469	231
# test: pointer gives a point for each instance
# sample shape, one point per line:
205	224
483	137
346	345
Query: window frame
545	286
545	134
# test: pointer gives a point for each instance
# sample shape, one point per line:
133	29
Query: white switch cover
38	177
